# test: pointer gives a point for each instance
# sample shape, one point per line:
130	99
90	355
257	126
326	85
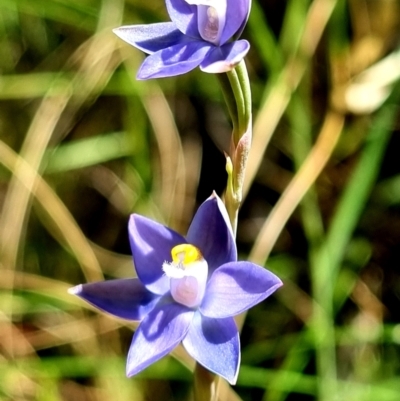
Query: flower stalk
241	140
235	86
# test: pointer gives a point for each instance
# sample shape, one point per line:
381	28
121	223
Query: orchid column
189	289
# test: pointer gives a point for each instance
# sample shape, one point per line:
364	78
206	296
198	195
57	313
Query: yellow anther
185	254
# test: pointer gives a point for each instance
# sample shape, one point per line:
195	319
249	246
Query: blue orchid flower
199	34
187	290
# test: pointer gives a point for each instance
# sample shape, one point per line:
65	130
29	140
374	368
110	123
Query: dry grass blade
12	339
96	67
16	203
298	187
172	165
56	211
279	97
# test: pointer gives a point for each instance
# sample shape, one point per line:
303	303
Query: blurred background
83	145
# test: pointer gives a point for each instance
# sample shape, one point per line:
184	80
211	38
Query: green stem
243	78
239	100
229	98
240	86
232	204
236	164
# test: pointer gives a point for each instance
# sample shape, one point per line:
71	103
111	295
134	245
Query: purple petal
151	245
184	16
214	343
237	13
211	232
125	298
152	37
158	334
236	287
225	58
175	60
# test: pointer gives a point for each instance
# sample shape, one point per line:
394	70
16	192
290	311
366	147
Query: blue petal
152	37
151	245
237	13
125	298
214	343
225	58
174	60
236	287
184	16
211	232
158	334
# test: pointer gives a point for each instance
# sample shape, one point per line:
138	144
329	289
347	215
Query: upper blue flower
187	290
197	35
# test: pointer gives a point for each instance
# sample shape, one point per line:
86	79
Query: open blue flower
198	35
187	290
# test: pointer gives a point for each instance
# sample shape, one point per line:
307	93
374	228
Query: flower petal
236	287
152	37
158	334
225	58
211	232
237	14
184	16
214	343
125	298
174	60
151	245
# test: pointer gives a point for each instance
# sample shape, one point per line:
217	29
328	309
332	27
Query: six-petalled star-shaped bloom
187	290
199	34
